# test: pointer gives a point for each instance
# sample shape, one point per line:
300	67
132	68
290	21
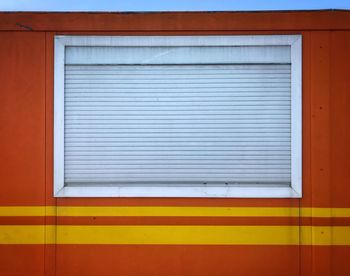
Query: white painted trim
295	191
296	110
59	116
183	191
214	40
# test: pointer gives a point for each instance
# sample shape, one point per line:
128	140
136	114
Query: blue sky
169	5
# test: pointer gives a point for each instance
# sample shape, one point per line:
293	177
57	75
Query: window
177	116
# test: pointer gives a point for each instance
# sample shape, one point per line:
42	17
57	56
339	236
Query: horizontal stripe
211	235
114	220
173	211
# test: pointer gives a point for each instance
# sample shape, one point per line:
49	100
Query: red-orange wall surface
35	226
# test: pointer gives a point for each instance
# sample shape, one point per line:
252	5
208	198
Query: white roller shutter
179	124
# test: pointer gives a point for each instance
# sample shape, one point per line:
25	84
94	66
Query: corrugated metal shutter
178	124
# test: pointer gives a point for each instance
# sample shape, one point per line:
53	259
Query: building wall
42	235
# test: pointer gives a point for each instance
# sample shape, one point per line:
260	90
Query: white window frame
293	191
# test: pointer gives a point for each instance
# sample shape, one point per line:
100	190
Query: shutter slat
232	90
179	68
179	161
241	154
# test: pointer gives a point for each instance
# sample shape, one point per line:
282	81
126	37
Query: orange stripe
50	220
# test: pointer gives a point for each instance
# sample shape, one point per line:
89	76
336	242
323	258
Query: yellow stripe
220	235
9	211
174	211
177	211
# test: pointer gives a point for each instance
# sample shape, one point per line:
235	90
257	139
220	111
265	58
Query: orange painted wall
26	142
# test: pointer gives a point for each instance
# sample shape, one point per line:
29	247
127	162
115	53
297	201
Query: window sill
171	191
